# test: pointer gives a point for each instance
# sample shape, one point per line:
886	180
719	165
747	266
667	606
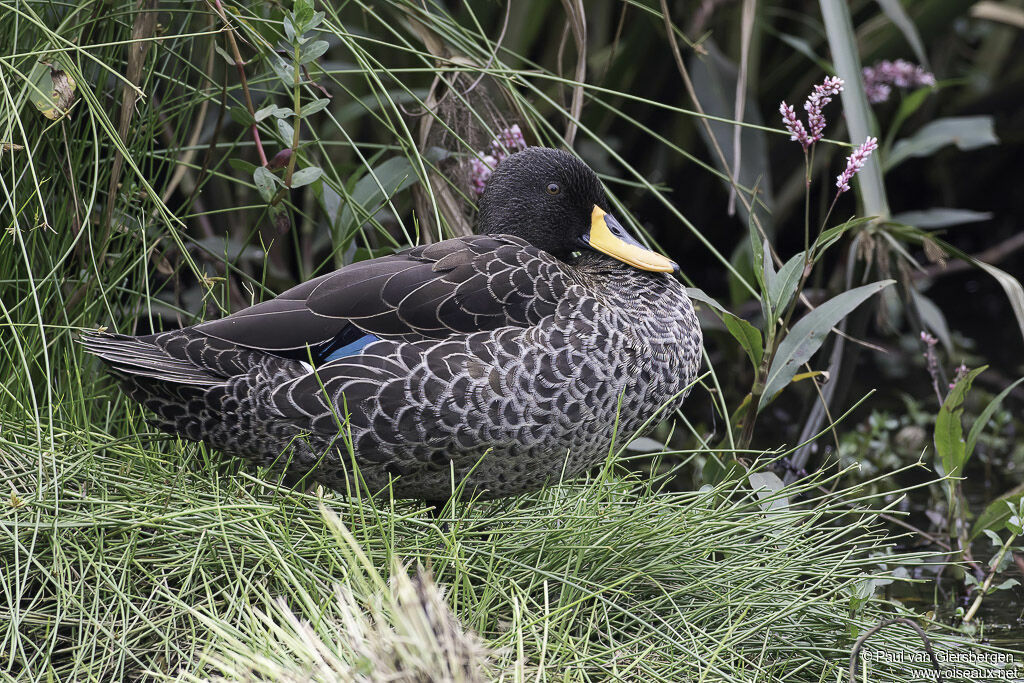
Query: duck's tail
147	357
198	387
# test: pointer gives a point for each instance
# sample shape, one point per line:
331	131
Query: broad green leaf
998	511
949	431
312	51
986	415
1011	285
241	116
369	193
766	486
273	110
829	237
966	132
933	318
941	217
808	334
315	106
746	334
286	131
266	182
909	104
767	282
284	70
305	176
757	254
783	286
801	46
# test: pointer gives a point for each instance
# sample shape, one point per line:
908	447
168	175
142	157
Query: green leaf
286	131
898	16
910	103
782	288
966	132
284	70
315	106
809	333
933	318
266	182
986	415
746	334
949	431
312	51
223	53
241	116
242	166
998	512
273	110
860	119
1012	287
305	176
829	237
302	14
369	193
940	217
766	485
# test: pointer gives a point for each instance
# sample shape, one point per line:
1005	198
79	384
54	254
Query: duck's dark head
555	202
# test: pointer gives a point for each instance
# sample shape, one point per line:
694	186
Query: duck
481	366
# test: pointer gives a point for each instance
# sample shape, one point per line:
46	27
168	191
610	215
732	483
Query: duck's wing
462	285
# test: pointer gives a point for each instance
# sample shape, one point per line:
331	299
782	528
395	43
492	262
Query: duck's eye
553	188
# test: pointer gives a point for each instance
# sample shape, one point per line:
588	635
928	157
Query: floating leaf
809	333
966	132
949	431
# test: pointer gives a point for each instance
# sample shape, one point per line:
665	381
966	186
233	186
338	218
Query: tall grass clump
163	163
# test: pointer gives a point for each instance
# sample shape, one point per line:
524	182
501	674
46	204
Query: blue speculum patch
352	348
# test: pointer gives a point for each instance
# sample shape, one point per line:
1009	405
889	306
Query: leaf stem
240	66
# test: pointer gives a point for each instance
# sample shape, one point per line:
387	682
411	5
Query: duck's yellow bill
609	237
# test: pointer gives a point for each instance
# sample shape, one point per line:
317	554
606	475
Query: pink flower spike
855	162
795	127
816	101
880	78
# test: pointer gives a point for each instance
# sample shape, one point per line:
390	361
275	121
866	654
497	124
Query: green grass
128	555
127	558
